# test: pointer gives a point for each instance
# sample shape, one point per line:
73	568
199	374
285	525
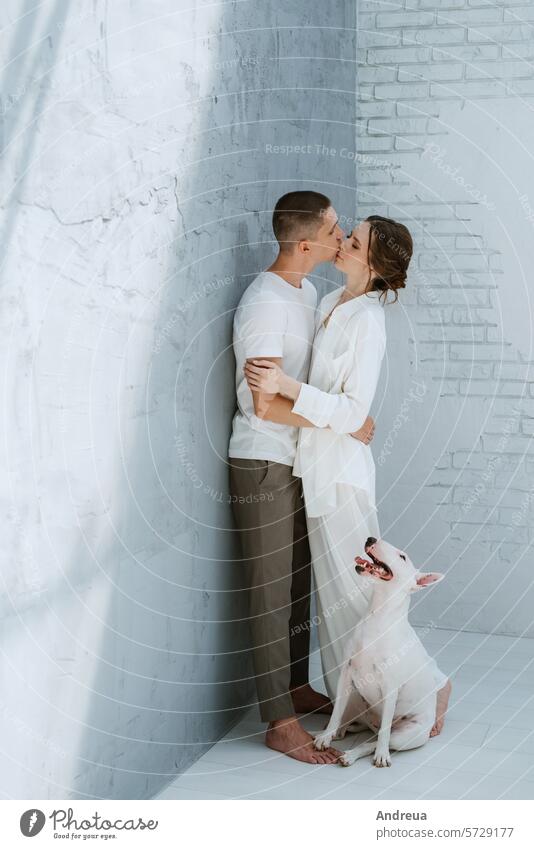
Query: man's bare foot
307	700
442	703
289	737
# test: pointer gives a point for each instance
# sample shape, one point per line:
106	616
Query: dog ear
426	579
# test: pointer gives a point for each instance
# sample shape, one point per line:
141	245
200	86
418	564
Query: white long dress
337	471
342	597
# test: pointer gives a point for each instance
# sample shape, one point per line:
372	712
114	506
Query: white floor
485	751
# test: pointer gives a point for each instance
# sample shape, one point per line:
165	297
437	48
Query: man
275	320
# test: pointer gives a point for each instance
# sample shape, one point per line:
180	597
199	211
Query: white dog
387	682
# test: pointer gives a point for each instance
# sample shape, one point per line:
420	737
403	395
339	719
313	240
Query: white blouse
346	361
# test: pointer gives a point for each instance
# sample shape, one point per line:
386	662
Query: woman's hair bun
390	252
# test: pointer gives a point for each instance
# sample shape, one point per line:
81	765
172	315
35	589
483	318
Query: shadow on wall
176	596
16	94
174	667
138	640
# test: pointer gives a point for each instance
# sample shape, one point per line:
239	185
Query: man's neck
287	267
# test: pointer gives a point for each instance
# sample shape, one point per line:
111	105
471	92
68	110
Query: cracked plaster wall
138	175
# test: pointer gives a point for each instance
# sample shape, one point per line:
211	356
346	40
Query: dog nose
370	541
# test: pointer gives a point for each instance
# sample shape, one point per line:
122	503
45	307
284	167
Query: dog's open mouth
376	567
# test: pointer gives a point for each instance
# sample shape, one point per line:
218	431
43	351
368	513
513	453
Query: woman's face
351	257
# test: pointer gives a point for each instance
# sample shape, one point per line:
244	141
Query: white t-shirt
272	319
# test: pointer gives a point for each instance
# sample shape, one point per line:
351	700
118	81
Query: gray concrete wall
445	134
139	174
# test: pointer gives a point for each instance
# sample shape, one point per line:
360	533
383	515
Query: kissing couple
302	475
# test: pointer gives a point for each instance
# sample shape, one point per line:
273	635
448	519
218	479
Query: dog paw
322	741
346	760
382	758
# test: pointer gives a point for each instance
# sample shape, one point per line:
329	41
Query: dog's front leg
344	688
382	756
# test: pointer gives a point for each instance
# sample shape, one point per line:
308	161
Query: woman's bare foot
289	737
442	703
307	700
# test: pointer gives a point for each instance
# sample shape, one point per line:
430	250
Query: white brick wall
445	133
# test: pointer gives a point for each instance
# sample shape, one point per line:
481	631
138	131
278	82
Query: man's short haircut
297	216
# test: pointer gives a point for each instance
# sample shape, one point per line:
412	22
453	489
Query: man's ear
426	579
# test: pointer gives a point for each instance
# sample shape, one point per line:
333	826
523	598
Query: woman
337	471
